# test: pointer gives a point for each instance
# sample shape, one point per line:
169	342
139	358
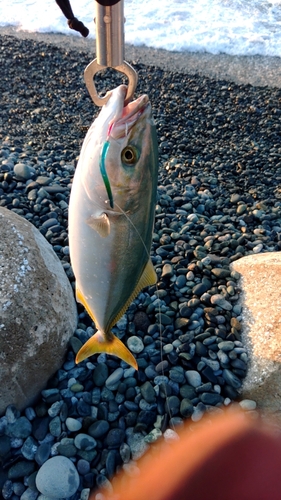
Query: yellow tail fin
109	344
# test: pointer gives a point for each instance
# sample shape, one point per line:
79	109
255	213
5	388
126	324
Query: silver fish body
111	216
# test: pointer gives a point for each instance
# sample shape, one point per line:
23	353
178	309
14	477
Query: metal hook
124	68
110	49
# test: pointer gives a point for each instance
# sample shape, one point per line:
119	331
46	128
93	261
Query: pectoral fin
100	224
109	344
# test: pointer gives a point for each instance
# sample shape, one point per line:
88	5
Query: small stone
148	392
98	429
83	466
55	427
115	438
248	404
220	301
85	442
181	323
43	453
100	374
231	379
113	380
5	445
66	448
23	171
137	444
193	378
226	345
125	453
153	436
21	428
167	271
211	398
29	448
220	272
21	469
73	424
186	408
7	490
135	344
29	494
12	414
201	287
58	478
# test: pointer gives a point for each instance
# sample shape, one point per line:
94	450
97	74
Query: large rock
38	313
261	285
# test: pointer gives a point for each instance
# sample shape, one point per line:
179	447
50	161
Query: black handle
107	3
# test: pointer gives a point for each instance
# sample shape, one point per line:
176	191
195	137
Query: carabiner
109	49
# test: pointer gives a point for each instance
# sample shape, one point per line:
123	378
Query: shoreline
258	71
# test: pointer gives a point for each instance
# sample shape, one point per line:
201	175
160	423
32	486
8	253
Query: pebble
58	478
135	344
84	442
193	378
73	424
248	404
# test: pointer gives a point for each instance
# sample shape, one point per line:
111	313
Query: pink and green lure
103	169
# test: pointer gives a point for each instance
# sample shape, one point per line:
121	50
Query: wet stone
226	345
21	469
135	344
112	381
58	478
5	445
148	392
231	379
193	378
42	453
67	449
220	301
115	438
210	398
21	428
100	374
73	424
186	408
55	427
187	392
29	448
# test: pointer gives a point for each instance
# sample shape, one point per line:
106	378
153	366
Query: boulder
38	313
261	335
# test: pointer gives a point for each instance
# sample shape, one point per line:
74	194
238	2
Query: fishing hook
109	49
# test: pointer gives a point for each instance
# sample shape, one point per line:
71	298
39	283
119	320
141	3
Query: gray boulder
38	313
261	320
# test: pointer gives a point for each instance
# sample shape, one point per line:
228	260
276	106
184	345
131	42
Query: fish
111	217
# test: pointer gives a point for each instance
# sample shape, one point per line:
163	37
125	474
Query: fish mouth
121	125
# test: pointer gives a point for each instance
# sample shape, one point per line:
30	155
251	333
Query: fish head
130	159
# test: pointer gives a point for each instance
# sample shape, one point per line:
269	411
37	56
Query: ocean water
235	27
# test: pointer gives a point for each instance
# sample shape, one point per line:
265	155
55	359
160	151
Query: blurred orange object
230	458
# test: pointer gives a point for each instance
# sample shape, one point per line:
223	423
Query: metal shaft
110	34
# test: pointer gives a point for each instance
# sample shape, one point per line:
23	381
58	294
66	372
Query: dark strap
107	3
72	22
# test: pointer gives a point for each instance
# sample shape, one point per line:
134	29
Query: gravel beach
219	198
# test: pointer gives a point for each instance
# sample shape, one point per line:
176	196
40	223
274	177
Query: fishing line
159	311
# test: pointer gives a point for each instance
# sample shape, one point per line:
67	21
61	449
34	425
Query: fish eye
130	155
